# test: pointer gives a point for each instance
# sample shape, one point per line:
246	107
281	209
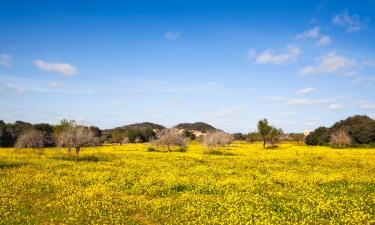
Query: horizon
301	65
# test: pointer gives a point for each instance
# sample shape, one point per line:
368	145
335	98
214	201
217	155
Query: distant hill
198	126
143	125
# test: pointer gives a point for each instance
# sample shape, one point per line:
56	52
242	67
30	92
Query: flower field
245	184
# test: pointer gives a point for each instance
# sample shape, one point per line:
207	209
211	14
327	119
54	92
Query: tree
31	139
216	139
274	136
340	138
169	138
118	136
320	136
76	136
253	137
264	131
239	136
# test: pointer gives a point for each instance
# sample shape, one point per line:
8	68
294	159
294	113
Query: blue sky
301	64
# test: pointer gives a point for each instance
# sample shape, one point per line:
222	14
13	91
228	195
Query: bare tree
340	138
77	136
274	136
31	139
216	139
169	138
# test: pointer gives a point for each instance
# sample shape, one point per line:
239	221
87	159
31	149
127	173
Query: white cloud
270	57
351	23
335	106
54	85
305	90
333	62
325	40
312	33
6	60
307	70
63	68
367	106
300	102
172	35
329	63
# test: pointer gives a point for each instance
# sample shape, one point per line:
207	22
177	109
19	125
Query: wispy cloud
62	68
6	60
307	90
271	57
367	106
300	102
325	40
335	106
172	35
352	23
330	62
314	33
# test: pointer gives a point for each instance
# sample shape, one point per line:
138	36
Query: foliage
361	130
268	133
239	136
198	126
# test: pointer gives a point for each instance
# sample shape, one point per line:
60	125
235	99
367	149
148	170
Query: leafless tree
31	139
77	136
125	140
340	139
169	138
216	139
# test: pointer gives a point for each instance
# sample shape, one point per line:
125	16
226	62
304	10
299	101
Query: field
244	185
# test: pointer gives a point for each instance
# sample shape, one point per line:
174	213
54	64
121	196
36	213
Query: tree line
353	131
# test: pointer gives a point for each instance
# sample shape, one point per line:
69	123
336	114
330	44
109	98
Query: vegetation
217	139
169	138
198	126
360	130
268	133
128	185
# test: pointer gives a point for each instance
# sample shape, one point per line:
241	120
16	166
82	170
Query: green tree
264	131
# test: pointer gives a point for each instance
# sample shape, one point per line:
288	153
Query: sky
300	64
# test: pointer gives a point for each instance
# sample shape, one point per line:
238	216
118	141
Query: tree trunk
77	150
264	144
69	150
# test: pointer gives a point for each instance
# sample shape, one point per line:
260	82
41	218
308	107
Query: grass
239	184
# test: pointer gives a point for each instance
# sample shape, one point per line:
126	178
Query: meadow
244	184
